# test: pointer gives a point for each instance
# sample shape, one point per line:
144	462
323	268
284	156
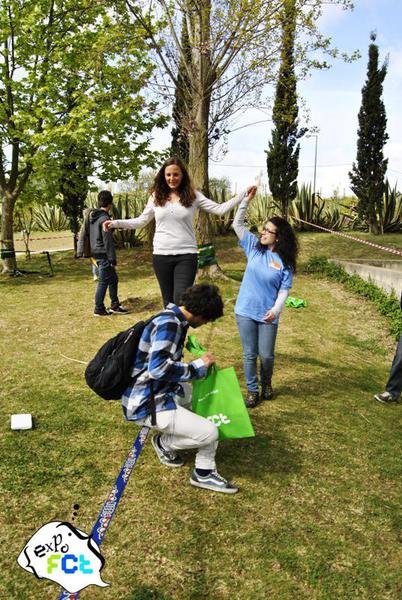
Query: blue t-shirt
265	275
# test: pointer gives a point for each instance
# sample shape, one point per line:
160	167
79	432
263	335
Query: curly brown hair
161	190
286	245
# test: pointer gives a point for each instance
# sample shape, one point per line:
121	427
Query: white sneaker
213	482
385	398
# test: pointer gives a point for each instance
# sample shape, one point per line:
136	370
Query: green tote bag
218	398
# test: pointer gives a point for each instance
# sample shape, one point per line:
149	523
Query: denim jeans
107	279
394	383
257	340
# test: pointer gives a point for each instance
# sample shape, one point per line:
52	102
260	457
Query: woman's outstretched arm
145	217
220	209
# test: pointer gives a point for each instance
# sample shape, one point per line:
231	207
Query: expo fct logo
57	561
64	554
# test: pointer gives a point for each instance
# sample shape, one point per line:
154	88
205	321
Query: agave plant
391	214
128	207
311	208
49	218
221	224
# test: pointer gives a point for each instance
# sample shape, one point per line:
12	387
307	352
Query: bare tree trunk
198	139
7	234
198	167
198	134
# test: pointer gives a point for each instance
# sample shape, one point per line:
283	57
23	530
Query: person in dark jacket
103	251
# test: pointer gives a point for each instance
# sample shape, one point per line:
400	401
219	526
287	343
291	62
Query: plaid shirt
158	360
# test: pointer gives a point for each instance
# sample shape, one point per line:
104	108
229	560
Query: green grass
318	515
45	240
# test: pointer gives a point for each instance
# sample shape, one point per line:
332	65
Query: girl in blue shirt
271	262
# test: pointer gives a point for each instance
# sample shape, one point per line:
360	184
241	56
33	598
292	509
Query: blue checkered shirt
158	360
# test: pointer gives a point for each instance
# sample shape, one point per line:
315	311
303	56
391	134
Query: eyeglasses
266	230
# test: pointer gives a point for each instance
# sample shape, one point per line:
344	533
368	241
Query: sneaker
168	458
119	310
213	482
267	393
385	398
252	399
102	312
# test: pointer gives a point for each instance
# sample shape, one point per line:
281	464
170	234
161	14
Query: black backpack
108	374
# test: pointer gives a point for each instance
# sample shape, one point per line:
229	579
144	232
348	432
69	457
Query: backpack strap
151	404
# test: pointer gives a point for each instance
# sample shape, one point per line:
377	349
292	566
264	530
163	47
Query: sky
333	99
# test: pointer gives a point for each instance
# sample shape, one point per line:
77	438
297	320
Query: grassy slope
317	516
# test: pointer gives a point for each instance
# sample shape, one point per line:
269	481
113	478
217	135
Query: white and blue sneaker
168	458
213	482
385	398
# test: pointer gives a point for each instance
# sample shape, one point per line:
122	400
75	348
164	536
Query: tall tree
234	48
75	170
182	103
368	173
283	152
234	51
71	72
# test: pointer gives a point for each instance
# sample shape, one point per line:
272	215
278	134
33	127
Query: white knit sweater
174	223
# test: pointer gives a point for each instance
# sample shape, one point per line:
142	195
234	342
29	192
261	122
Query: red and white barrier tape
61	237
352	237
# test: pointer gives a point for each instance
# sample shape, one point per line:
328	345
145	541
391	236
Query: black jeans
107	279
394	383
175	273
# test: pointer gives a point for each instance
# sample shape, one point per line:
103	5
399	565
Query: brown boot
252	399
267	393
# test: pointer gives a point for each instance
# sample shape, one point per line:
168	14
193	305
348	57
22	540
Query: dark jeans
394	383
107	279
175	273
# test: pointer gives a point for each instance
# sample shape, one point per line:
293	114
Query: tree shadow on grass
270	451
146	593
327	378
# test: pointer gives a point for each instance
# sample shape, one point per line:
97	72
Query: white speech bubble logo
64	554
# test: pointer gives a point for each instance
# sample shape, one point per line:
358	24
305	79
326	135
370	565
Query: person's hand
251	192
208	359
269	316
107	225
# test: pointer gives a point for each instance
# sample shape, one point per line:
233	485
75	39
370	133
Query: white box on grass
23	421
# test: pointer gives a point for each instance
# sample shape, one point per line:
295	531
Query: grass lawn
46	240
318	515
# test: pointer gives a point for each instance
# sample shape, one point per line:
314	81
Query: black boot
252	399
267	393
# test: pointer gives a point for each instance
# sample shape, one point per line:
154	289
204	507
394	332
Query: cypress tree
368	173
283	152
182	103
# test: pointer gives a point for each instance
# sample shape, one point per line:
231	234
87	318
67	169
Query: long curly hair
161	190
286	245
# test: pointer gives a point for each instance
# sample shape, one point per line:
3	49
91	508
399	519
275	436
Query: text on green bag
219	419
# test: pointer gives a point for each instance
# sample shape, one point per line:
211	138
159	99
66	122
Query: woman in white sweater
173	204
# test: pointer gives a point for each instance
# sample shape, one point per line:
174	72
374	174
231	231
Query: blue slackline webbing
109	507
